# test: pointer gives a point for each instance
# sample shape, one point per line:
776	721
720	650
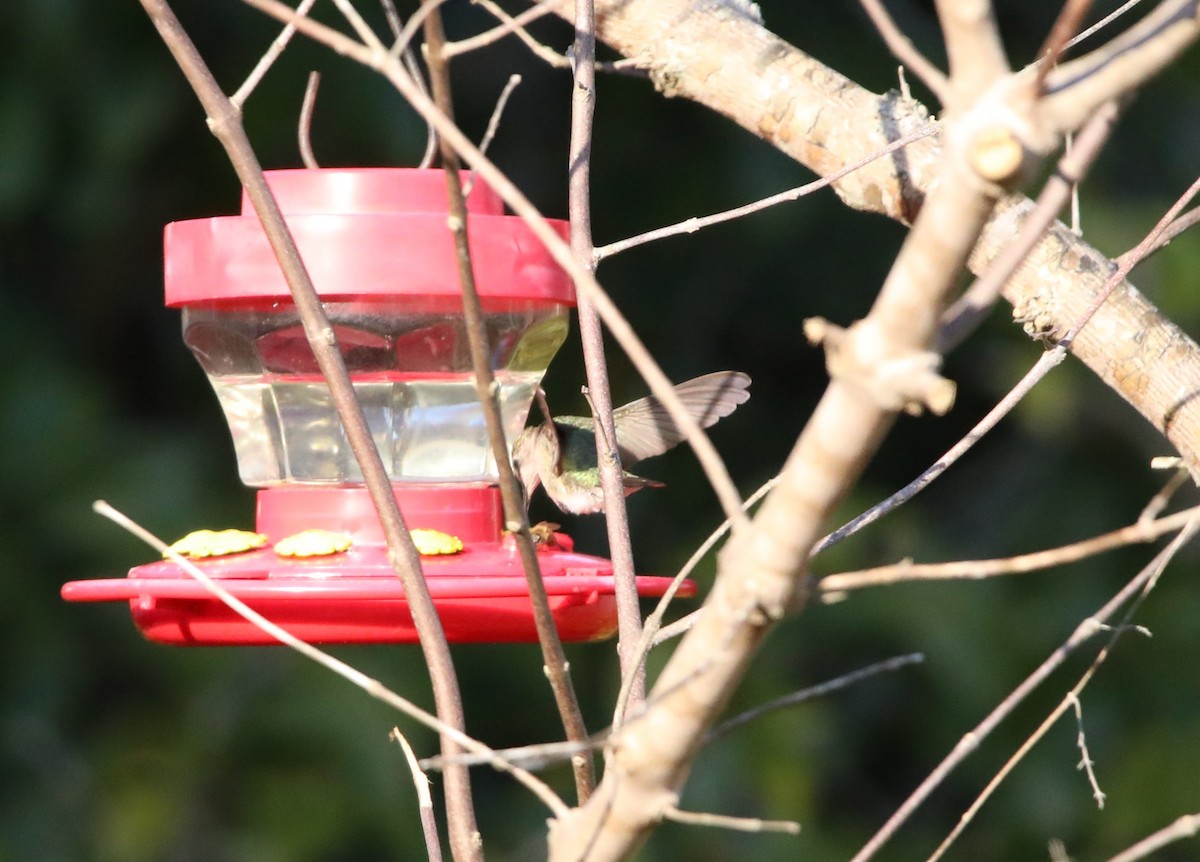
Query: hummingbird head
526	460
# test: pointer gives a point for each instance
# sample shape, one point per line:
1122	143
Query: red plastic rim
481	597
362	232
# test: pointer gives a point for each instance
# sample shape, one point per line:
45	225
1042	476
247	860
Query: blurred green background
115	749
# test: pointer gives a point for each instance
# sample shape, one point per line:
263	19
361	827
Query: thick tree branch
732	64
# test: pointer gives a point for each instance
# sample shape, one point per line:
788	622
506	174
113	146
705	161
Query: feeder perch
376	245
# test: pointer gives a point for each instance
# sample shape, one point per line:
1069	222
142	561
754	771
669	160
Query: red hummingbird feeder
376	245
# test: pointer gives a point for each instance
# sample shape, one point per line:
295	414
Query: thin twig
533	757
508	24
304	128
1131	259
268	58
1065	26
396	25
1075	88
904	50
676	629
971	740
907	572
1186	826
724	821
1160	500
493	124
359	24
487	388
1102	23
494	120
1085	762
694	224
820	690
538	756
402	42
1076	216
1040	369
369	685
429	828
515	25
1185	222
1154	569
224	120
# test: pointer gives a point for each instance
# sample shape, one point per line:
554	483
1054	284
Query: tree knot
896	378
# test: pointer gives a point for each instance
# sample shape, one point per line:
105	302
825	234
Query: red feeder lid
363	232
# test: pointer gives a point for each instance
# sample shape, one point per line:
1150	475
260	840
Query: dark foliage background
115	749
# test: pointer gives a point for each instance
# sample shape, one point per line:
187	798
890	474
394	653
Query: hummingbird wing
645	428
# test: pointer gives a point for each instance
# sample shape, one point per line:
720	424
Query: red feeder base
355	597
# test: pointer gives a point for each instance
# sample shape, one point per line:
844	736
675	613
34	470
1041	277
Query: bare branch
396	25
1075	88
1085	762
907	572
1075	333
971	740
268	58
429	828
359	24
724	821
494	120
490	132
1160	500
698	223
401	44
1154	570
904	50
532	757
652	635
1186	826
515	25
508	24
820	690
1102	23
1184	222
304	128
1065	27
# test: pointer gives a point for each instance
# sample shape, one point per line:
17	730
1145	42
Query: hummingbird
561	455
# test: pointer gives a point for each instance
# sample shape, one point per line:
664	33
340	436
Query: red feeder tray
355	597
376	244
